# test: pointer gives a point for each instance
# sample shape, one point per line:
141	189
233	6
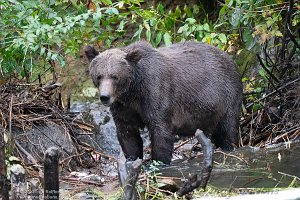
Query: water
247	167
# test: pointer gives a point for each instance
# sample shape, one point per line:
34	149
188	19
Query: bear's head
112	72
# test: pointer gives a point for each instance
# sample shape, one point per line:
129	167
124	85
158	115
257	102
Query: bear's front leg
162	142
131	142
128	123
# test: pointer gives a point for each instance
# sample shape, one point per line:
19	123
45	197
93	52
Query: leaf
223	10
42	51
54	56
183	29
120	4
148	35
158	38
262	73
30	37
187	11
121	25
111	11
92	6
169	23
264	37
107	2
258	90
206	27
97	15
191	20
196	9
138	32
161	9
82	22
61	61
278	33
223	38
248	39
167	39
115	11
235	17
146	25
152	22
177	12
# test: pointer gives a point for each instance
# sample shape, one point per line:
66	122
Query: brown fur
172	91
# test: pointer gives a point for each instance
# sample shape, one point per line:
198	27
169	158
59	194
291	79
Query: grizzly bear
172	91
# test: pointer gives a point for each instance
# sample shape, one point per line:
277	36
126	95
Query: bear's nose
105	99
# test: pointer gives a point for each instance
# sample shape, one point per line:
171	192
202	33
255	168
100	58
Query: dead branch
28	155
273	92
196	181
128	175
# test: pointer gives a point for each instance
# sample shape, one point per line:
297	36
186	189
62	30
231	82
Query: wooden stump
51	173
3	171
18	183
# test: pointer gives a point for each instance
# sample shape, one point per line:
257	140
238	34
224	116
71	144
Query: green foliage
261	27
151	190
162	26
36	34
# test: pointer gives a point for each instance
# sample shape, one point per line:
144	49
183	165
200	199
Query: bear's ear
134	56
90	52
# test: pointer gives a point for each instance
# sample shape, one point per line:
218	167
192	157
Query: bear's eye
114	77
99	77
123	63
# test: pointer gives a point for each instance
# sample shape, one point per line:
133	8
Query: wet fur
172	91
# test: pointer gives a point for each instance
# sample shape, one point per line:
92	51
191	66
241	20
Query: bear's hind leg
226	135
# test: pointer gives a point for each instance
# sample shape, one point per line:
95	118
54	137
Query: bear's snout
106	91
105	98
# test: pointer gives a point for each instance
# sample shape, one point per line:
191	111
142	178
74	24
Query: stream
275	166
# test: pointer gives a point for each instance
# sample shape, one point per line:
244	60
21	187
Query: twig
183	143
296	177
267	70
39	118
234	156
158	189
28	155
10	113
82	181
275	91
104	155
297	129
70	157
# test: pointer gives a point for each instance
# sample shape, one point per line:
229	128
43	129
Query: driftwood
3	179
51	173
34	189
18	183
128	175
196	181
